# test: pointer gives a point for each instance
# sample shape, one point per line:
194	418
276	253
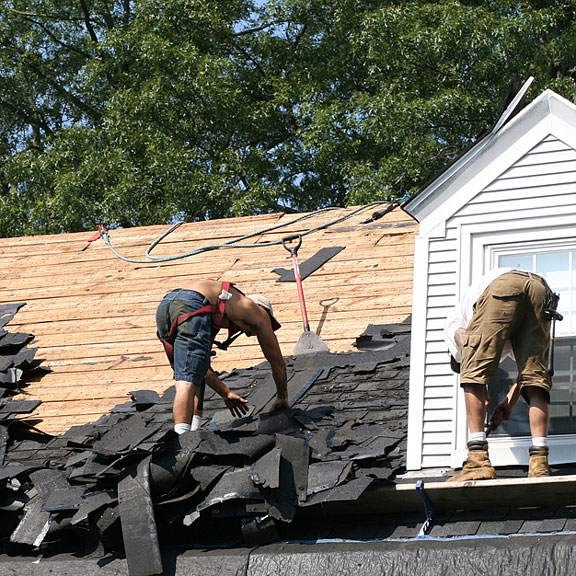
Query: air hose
236	242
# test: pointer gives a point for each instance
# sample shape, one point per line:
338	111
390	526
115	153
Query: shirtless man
224	307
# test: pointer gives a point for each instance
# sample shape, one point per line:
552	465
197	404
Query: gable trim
549	114
417	358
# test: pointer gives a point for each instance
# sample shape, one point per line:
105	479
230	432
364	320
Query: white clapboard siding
432	427
435	346
436	324
437	448
438	403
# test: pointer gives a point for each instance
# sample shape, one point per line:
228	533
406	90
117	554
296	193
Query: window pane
562	395
555	267
521	261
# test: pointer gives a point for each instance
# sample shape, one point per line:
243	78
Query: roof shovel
309	342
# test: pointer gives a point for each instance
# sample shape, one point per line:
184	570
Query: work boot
538	462
477	466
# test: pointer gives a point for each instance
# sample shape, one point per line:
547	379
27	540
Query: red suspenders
218	310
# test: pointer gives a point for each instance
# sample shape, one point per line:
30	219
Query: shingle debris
17	364
109	486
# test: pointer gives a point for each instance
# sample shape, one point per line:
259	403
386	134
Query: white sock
540	442
196	422
477	437
181	427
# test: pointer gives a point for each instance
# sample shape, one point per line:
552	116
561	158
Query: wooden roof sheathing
93	314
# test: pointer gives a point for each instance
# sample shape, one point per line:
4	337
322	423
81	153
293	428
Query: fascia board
560	107
563	122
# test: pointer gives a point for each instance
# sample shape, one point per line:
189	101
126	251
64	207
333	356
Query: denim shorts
193	343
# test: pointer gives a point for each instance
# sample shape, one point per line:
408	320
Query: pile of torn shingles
128	484
17	365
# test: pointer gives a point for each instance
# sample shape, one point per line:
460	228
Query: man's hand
504	409
236	404
459	337
279	404
501	413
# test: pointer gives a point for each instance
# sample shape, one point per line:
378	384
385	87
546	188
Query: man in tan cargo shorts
502	314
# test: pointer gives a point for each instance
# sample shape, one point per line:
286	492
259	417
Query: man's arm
459	338
236	404
272	352
454	333
255	321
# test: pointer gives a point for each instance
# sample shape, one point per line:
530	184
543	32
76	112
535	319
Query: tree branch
87	21
80	104
29	119
248	31
36	15
251	58
57	40
127	12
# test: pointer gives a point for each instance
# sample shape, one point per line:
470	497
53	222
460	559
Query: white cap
267	305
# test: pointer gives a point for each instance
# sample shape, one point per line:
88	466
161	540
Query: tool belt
551	306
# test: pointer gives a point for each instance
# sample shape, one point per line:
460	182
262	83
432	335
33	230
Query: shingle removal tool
309	342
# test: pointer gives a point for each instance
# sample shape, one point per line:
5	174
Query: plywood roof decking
93	314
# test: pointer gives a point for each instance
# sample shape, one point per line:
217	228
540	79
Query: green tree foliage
133	112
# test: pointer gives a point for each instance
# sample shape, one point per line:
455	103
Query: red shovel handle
294	252
288	239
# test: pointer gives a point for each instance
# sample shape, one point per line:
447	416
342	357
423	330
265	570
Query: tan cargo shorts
511	308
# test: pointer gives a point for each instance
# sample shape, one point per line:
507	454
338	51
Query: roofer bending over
503	313
188	319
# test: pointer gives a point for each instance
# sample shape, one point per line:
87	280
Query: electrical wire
235	242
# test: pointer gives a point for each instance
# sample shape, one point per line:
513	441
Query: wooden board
452	496
93	314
